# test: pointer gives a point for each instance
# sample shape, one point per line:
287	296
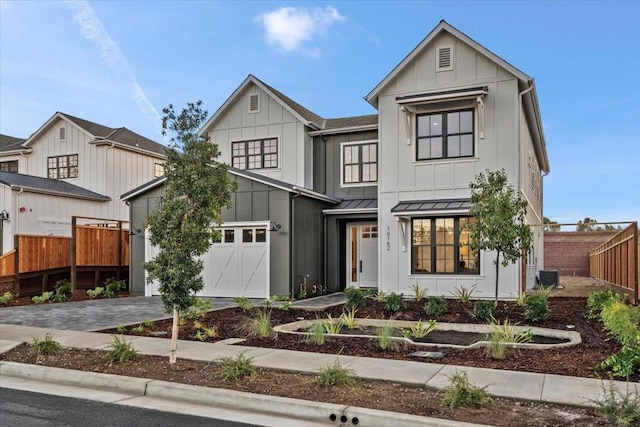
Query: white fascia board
431	213
343	130
58	193
99	142
459	94
245	224
316	195
41	129
204	129
15	152
149	186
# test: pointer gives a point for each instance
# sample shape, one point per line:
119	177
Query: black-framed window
445	135
442	246
256	154
62	167
360	163
9	166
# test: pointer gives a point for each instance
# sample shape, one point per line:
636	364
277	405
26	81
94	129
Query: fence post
636	273
119	249
72	253
16	262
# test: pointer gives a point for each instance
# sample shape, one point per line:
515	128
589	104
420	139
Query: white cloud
94	31
290	27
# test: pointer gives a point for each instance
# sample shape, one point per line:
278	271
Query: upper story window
62	133
442	246
359	163
256	154
445	135
9	166
62	167
158	170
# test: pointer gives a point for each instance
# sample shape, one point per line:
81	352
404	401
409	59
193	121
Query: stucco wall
568	252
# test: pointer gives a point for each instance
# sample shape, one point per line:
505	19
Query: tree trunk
173	355
497	273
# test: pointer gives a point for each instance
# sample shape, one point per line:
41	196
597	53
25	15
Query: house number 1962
388	239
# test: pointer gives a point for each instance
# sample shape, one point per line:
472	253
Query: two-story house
371	201
70	166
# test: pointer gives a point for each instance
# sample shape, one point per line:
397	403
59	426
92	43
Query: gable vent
254	103
444	58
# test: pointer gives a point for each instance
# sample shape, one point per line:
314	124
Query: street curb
282	407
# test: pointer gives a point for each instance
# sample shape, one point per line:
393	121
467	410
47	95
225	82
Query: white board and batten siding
231	269
403	178
272	120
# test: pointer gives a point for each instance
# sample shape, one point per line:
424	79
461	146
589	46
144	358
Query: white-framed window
255	154
445	134
359	162
158	170
62	167
442	245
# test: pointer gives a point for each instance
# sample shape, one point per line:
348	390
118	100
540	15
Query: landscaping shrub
620	409
623	322
536	308
484	310
285	305
418	293
234	368
6	297
395	303
46	345
198	309
243	303
46	296
597	300
420	329
435	306
385	337
355	297
121	350
111	286
260	324
93	293
380	296
349	319
463	293
62	290
461	392
507	333
316	336
332	326
336	375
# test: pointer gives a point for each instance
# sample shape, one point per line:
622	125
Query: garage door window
247	236
229	236
261	235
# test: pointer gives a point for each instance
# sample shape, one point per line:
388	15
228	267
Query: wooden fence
93	251
616	261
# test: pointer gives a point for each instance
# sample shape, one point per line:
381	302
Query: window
9	166
158	170
442	246
63	133
444	135
258	154
359	163
62	167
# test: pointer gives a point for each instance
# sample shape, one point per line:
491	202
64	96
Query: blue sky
119	63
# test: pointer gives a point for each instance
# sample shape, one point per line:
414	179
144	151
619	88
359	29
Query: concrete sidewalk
520	385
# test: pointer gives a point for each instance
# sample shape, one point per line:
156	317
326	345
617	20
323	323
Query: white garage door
237	265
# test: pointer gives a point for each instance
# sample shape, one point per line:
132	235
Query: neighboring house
70	166
395	184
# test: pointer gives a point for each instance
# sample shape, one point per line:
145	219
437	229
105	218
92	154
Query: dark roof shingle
10	143
45	185
348	122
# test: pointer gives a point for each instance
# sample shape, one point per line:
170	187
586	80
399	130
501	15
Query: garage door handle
360	266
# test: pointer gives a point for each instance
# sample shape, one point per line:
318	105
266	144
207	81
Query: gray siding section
139	208
308	242
254	201
326	164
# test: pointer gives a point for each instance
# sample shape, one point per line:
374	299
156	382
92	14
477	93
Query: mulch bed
78	295
572	361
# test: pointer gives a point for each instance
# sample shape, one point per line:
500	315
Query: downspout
292	243
520	114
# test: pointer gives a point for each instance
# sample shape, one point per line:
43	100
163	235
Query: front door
362	268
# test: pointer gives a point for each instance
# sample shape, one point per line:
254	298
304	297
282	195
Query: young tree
499	226
196	189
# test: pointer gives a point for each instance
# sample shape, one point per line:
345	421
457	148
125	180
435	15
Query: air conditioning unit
549	278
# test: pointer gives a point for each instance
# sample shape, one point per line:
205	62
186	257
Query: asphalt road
26	409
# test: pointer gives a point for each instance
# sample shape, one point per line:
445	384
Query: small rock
571	326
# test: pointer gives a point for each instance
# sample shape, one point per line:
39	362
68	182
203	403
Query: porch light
4	215
274	227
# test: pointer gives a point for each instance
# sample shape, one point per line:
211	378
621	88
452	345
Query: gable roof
36	184
244	174
443	26
348	124
306	116
10	144
101	134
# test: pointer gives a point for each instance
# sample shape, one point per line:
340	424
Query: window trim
342	165
9	163
68	167
433	246
444	136
262	154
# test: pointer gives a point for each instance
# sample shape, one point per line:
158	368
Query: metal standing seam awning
405	210
354	206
